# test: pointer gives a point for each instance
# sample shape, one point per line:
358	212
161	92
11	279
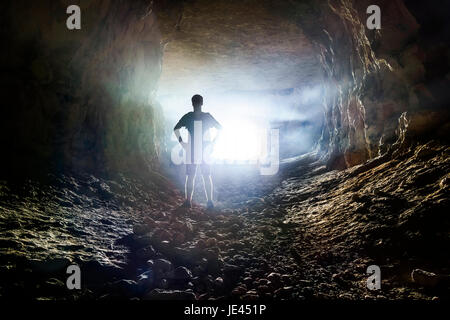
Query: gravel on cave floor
305	234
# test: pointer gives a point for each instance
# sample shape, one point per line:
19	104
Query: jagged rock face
371	77
80	99
222	45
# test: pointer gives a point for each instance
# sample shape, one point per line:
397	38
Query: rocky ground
305	234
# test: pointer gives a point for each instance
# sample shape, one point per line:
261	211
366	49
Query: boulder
161	294
141	229
124	287
145	253
251	295
425	278
182	273
275	279
162	265
145	280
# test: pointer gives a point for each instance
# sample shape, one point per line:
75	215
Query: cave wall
80	99
375	79
84	99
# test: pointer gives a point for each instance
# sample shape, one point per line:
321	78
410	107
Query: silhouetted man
197	123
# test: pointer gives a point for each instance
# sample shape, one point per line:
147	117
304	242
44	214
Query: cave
331	165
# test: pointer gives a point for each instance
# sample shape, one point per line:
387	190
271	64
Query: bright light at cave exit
243	120
239	141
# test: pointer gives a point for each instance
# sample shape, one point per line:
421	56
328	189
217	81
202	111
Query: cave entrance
247	118
246	141
255	69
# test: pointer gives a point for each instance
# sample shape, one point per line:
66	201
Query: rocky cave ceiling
220	46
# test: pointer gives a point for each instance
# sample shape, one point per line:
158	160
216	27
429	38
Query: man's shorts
191	169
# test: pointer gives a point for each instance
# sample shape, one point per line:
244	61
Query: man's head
197	101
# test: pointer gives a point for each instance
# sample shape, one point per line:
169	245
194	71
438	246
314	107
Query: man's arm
178	135
177	128
216	125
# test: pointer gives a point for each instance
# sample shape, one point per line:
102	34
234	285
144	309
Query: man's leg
189	187
207	182
208	185
189	183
